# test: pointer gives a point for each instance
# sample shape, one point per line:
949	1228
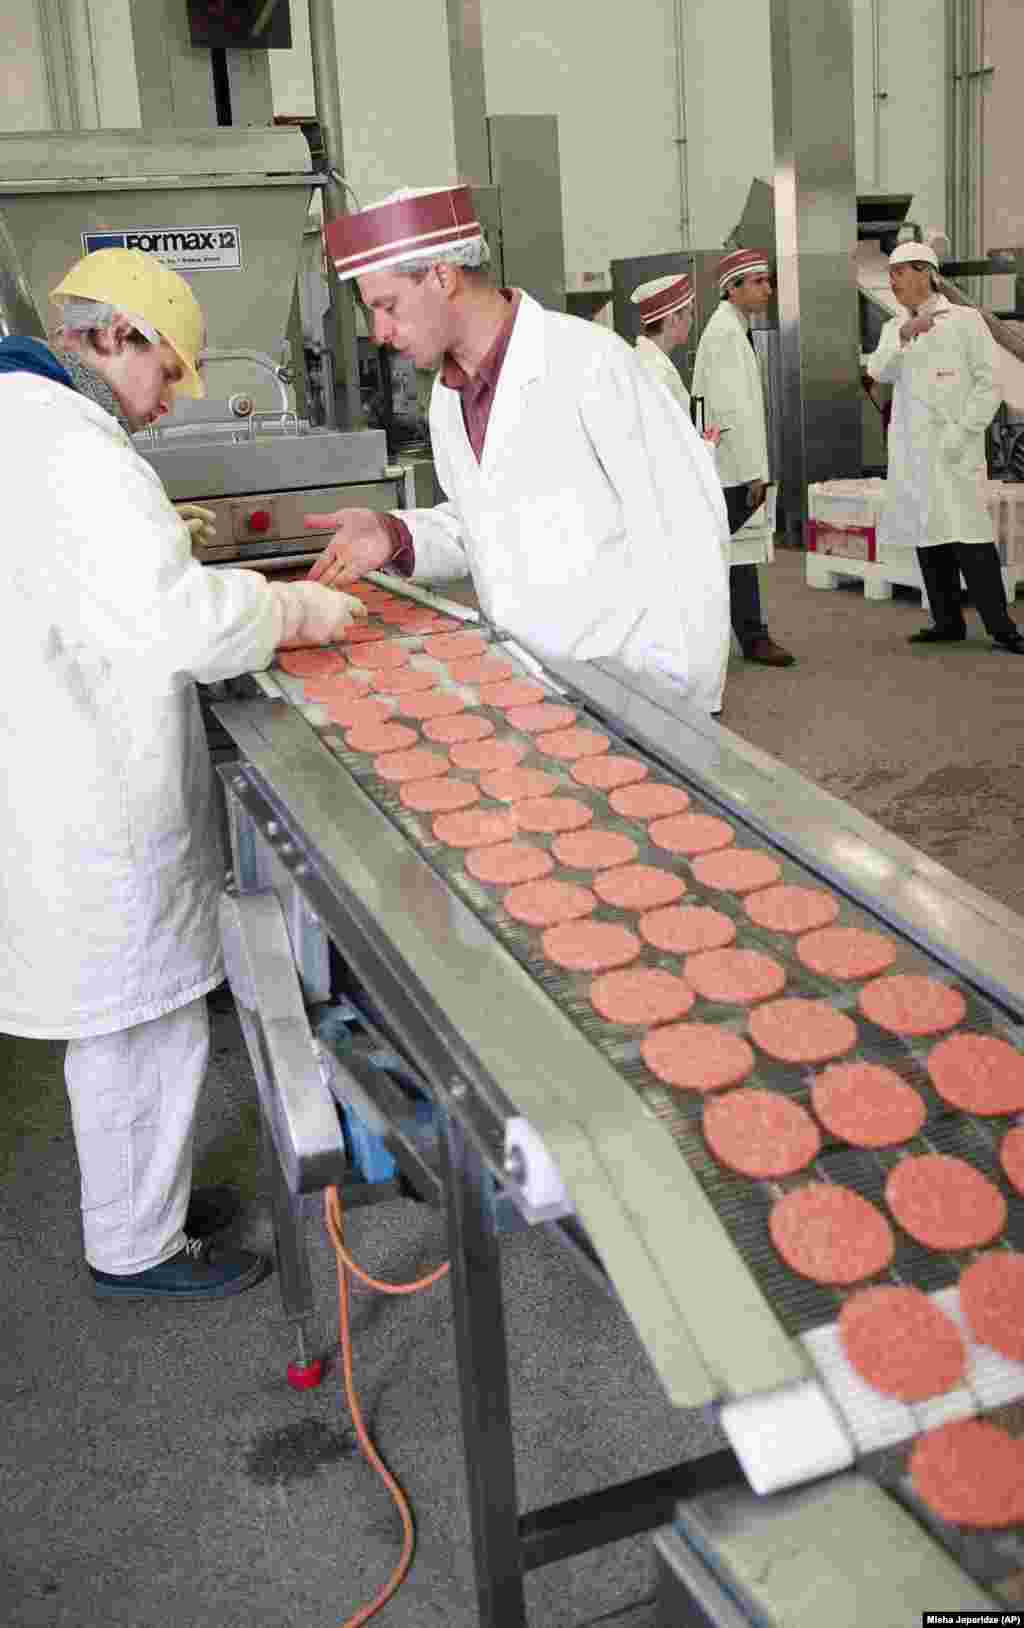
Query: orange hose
345	1265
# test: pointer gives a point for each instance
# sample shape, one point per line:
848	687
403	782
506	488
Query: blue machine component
342	1027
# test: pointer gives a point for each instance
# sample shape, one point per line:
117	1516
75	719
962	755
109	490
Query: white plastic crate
843	518
1009	497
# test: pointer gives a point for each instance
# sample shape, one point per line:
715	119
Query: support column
815	240
469	108
342	318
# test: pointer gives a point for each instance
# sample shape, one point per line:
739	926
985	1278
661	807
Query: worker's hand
756	493
311	614
201	523
915	326
361	543
713	435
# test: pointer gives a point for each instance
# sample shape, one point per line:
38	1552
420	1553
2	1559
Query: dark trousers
941	567
744	588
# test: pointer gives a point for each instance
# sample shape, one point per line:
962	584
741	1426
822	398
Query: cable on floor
346	1266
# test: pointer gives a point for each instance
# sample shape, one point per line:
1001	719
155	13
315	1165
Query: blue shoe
203	1270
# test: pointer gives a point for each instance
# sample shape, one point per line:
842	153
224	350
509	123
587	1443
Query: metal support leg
483	1383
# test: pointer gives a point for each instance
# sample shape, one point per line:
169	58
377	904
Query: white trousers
133	1105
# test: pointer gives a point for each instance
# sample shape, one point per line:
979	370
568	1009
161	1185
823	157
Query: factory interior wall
911	153
44	39
1002	130
396	103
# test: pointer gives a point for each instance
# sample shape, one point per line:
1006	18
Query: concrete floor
154	1465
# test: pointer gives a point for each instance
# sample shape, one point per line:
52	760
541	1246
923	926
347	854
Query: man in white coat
726	373
581	501
665	308
941	361
111	863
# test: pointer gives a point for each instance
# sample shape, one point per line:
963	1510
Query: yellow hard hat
142	286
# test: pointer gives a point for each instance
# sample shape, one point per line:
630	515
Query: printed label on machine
184	248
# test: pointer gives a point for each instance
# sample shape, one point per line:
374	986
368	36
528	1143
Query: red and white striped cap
407	226
661	296
740	263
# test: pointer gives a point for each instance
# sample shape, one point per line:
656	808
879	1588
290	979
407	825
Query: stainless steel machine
379	979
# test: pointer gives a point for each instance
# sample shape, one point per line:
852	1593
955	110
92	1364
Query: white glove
311	614
201	523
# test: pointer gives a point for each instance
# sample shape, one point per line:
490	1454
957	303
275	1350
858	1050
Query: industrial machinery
398	1000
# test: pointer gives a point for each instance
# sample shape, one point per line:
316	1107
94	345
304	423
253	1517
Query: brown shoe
768	653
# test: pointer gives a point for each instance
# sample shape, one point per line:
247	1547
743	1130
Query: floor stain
296	1452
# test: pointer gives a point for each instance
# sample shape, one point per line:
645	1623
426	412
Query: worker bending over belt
578	496
941	361
111	859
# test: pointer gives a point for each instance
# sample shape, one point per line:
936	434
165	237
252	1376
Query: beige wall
1002	193
67	64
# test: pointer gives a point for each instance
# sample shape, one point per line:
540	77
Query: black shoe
938	635
210	1210
1013	643
203	1270
767	653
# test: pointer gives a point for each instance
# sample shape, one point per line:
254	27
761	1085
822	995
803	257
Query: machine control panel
271	523
254	519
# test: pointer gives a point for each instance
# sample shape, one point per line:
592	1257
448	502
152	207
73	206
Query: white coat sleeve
674	513
885	363
121	572
437	533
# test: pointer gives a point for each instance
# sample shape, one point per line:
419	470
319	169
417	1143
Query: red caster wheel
305	1376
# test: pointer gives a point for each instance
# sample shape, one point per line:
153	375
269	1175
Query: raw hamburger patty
737	870
979	1073
512	785
691	834
846	952
552	814
419	763
431	704
594	850
403	680
737	976
488	754
310	663
415	619
358	714
638	887
787	909
906	1003
604	773
541	717
475	828
364	633
944	1202
590	946
380	737
992	1301
336	686
649	801
373	656
644	995
479	670
512	692
901	1343
971	1473
1011	1157
760	1133
697	1056
829	1234
459	727
867	1105
455	646
509	862
684	929
572	743
435	796
801	1031
543	903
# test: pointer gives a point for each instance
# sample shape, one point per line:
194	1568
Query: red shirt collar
486	377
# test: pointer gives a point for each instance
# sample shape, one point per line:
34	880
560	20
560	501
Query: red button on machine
258	520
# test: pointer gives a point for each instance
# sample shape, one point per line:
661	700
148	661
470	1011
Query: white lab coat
945	392
593	525
110	861
664	369
727	374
